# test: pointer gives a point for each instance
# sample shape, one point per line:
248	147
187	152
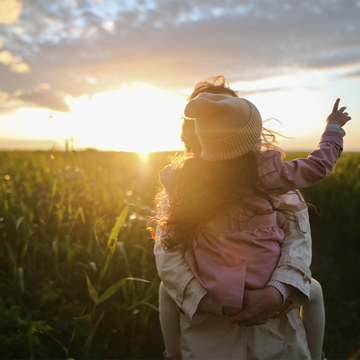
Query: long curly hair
202	190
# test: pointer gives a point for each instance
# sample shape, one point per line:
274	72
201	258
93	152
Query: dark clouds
85	46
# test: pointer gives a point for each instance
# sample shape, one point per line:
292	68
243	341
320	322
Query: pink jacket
234	252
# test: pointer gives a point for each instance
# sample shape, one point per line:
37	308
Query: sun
137	118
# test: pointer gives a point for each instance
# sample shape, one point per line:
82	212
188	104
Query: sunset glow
143	119
135	118
115	75
93	171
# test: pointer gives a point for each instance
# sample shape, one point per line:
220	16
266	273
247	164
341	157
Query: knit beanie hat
227	126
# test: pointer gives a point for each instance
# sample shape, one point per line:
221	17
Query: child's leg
170	323
313	316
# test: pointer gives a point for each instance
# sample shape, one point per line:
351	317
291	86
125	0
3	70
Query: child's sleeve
301	173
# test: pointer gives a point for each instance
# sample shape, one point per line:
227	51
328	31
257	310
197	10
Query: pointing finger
336	105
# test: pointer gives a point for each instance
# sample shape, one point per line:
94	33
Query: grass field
78	273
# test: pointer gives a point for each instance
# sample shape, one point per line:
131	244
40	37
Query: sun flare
143	119
135	118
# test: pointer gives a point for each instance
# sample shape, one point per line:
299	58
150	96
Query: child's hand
230	311
338	117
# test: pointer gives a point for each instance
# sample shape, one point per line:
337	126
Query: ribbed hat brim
232	146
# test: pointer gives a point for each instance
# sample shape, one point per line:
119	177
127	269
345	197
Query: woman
212	335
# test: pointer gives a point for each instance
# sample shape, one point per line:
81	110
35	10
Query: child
228	200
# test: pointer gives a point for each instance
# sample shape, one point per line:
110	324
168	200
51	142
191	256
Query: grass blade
119	223
112	289
91	335
93	293
63	347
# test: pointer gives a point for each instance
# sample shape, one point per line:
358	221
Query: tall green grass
336	251
78	273
78	276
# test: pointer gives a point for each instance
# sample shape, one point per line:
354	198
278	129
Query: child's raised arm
338	117
302	173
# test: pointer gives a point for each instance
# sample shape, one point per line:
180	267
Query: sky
115	75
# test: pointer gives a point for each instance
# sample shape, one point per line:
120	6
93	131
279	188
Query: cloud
3	96
89	46
244	94
44	97
10	11
13	62
354	75
41	96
